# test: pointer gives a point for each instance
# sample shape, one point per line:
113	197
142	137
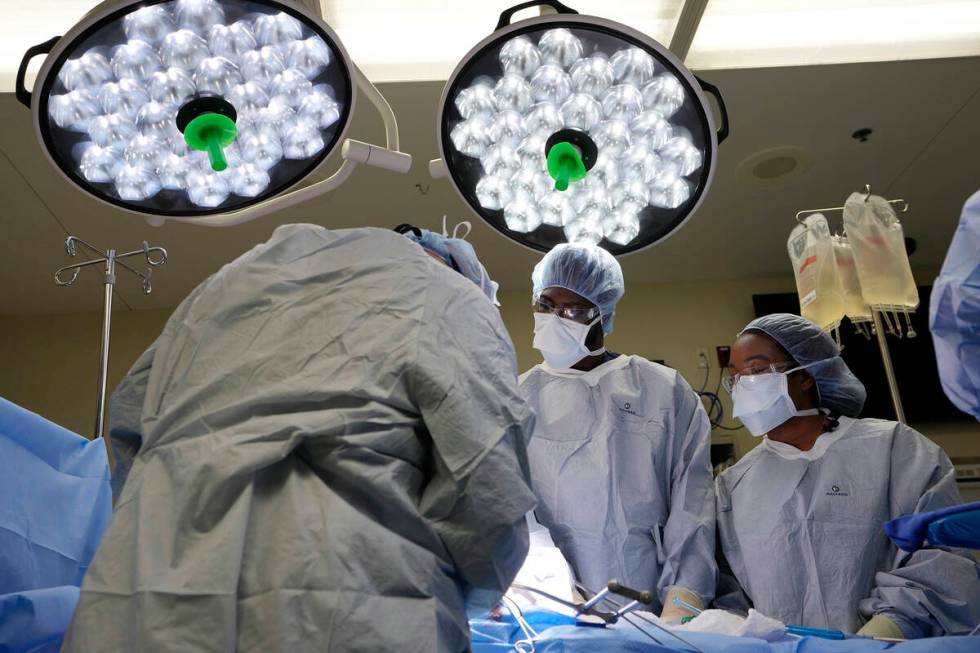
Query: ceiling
923	149
722	34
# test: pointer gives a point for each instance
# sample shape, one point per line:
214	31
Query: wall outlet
724	355
703	363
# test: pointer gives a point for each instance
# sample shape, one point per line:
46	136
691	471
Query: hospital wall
50	362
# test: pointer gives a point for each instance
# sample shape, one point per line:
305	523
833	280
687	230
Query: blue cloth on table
927	645
56	505
35	621
625	638
909	532
489	635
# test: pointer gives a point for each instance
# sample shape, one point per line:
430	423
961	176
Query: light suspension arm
374	96
687	26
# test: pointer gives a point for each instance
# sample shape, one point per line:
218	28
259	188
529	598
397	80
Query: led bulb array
122	99
624	101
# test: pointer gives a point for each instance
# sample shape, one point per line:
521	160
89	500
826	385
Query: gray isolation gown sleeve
933	591
125	416
689	534
465	386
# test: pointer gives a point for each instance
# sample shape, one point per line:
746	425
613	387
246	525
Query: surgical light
185	109
571	128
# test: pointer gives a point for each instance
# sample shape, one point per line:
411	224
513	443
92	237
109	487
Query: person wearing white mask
620	456
800	517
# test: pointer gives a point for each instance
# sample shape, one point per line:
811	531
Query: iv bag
812	253
856	309
878	244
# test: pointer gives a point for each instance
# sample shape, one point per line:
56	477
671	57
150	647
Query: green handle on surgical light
565	164
211	133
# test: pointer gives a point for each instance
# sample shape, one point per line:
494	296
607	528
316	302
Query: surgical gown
954	313
328	454
620	462
805	539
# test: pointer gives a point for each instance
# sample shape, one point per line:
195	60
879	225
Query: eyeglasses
579	314
731	379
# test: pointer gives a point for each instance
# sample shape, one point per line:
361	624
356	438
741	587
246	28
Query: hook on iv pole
901	206
67	282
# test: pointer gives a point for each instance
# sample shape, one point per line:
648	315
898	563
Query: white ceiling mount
437	169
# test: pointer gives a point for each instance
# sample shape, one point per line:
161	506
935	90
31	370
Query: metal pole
886	359
110	280
155	256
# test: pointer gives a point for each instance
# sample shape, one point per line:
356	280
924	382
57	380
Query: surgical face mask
562	341
762	401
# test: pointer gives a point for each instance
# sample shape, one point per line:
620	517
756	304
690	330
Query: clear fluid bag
878	244
812	254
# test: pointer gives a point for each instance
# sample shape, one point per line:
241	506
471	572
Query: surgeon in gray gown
801	515
327	453
620	455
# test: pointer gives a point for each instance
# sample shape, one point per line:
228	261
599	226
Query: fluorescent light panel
394	40
425	39
390	40
757	33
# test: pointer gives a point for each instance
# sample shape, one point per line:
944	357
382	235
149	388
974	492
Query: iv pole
111	259
886	358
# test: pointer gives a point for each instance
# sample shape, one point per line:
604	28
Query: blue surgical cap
586	270
839	390
459	255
